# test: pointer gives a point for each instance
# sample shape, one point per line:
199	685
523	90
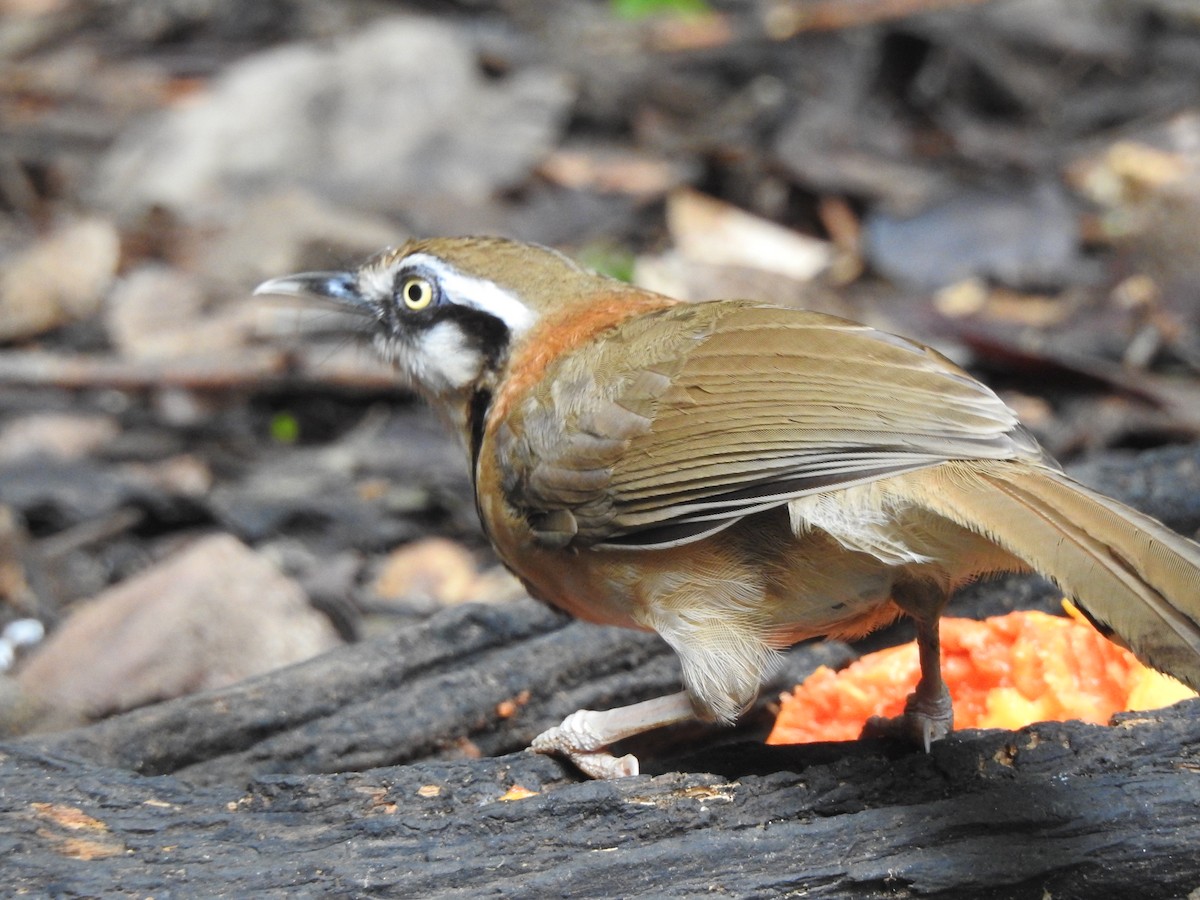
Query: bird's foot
580	739
928	716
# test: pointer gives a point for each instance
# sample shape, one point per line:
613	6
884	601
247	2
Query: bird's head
446	312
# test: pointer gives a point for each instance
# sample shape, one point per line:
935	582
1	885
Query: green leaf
285	428
607	259
640	9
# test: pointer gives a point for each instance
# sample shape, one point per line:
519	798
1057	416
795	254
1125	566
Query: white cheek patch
477	293
442	360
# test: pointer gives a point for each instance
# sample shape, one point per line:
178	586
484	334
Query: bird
738	476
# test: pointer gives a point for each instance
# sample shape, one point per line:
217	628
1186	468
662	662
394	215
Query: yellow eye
417	293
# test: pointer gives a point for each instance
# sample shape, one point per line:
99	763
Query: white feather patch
862	518
478	293
375	281
442	360
712	616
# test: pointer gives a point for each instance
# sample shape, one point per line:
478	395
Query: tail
1137	580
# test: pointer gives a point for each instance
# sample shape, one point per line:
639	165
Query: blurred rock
1022	238
1147	186
393	115
329	579
16	593
305	492
224	23
722	251
60	435
611	169
1072	27
377	486
290	230
677	275
61	493
182	475
161	313
435	569
441	572
844	141
149	308
709	230
59	279
1185	11
205	618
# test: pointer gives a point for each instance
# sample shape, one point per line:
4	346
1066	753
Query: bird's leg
928	710
928	715
584	736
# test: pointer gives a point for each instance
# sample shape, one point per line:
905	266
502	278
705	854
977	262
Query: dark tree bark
355	774
1062	810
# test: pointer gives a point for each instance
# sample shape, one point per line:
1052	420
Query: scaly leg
584	736
928	714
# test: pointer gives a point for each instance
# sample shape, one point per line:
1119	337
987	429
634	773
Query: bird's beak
337	287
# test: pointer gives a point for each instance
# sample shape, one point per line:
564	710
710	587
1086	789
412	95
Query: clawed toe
585	736
925	719
594	762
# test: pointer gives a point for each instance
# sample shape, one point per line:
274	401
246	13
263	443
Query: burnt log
394	767
1062	810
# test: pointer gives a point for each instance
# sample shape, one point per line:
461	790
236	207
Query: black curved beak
338	287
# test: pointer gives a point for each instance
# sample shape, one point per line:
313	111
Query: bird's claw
927	717
576	740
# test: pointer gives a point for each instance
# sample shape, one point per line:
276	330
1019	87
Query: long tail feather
1133	576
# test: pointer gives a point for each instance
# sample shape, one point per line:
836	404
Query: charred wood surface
1068	809
389	768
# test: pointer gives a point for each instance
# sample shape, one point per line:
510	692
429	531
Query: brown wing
696	416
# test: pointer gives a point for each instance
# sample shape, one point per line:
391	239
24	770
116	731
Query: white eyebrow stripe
479	293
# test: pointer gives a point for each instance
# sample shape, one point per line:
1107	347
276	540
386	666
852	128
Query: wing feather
700	415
